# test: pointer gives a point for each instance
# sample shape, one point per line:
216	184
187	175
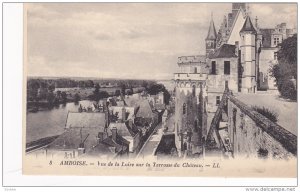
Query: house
113	146
129	132
85	132
123	113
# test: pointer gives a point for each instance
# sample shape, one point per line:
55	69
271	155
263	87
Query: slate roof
85	120
144	109
248	26
129	110
212	34
72	137
266	37
123	129
225	51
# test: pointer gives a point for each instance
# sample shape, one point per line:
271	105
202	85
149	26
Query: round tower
248	57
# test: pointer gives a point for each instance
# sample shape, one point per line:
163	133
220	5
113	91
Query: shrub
288	90
272	115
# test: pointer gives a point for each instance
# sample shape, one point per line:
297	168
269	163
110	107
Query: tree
117	92
76	98
97	89
64	96
156	88
286	69
103	94
123	88
50	98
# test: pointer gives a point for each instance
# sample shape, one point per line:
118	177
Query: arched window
184	109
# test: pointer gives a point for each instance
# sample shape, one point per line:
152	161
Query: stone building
269	39
190	83
238	57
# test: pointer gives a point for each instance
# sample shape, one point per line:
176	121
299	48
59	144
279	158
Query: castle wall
216	83
266	60
254	135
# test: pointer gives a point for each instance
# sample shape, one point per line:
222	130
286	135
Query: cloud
126	39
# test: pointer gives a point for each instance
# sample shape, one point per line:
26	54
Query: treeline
41	89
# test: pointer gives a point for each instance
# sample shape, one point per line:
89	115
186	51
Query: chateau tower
248	57
211	38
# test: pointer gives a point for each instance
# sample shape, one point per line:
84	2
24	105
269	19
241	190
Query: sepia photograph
160	89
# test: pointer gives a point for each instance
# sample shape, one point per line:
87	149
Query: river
50	122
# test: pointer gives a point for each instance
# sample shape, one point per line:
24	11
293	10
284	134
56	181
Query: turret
248	56
211	38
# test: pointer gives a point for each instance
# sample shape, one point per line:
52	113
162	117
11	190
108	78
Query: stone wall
252	134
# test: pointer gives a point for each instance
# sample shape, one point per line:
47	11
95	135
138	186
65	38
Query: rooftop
248	26
71	138
85	120
124	129
225	51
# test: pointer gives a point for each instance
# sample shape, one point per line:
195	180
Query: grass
268	113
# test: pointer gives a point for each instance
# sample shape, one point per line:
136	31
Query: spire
248	26
212	34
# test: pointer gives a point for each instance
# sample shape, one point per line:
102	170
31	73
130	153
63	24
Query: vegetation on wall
268	113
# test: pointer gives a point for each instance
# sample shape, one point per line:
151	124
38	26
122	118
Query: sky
127	40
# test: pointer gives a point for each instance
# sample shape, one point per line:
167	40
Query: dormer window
276	41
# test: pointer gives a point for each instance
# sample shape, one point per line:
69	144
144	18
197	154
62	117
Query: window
213	67
226	84
275	55
184	109
276	41
218	100
194	91
195	70
226	67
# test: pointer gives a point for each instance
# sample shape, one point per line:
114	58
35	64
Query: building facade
238	57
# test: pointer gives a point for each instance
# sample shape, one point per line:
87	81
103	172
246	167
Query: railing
190	76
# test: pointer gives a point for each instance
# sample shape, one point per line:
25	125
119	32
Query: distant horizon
93	78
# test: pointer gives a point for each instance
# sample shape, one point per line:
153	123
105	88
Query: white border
12	138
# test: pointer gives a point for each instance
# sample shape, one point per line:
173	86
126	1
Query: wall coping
287	139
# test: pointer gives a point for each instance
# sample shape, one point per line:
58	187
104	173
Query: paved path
151	144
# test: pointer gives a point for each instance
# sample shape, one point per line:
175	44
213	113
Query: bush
272	115
288	90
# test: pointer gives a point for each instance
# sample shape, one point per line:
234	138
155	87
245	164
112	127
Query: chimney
114	133
100	137
123	114
130	123
81	149
237	48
